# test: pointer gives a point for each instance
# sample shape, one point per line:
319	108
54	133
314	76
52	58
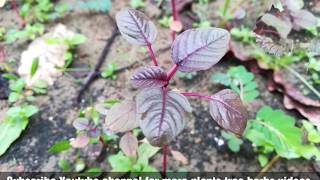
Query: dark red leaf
228	111
199	49
135	27
149	77
161	114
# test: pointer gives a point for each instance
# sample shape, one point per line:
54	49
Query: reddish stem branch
153	57
164	162
172	72
16	9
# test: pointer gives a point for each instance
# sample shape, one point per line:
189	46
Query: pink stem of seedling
16	9
153	57
175	18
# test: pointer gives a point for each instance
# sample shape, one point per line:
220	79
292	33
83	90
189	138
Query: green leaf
239	80
233	142
34	66
146	150
137	4
80	165
13	97
273	130
111	102
60	146
10	76
64	165
120	163
9	132
30	110
92	172
313	133
263	160
18	85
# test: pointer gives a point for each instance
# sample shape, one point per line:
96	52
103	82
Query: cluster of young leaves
274	131
201	8
18	91
134	160
273	28
109	71
18	115
42	11
159	112
71	43
30	32
243	34
313	65
35	13
240	81
15	121
137	4
233	141
103	6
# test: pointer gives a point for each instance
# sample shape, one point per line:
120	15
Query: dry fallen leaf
179	157
312	113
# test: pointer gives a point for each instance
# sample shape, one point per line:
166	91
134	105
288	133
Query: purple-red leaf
269	46
122	117
228	111
149	77
161	114
135	27
303	19
80	141
281	23
129	144
81	124
199	49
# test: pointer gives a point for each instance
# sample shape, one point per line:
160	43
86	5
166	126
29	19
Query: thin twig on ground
93	74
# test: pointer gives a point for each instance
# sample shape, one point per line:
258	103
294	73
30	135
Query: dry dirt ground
58	109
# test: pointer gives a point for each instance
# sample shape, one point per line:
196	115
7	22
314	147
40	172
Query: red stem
174	10
153	57
164	162
172	72
16	9
2	55
175	18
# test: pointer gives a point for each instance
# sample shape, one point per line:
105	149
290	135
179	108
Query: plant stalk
175	18
17	11
153	57
172	72
268	166
164	162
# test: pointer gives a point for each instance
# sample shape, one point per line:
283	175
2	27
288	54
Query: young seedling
159	111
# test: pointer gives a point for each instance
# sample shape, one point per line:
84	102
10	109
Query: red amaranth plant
159	111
